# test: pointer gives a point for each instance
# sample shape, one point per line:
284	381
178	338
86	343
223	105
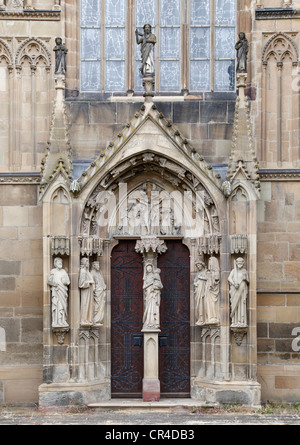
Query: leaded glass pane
225	12
145	12
90	12
200	43
224	75
199	75
170	12
225	43
115	12
115	76
169	75
90	43
200	12
90	76
115	43
170	43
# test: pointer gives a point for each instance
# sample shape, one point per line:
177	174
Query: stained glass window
194	49
90	45
224	65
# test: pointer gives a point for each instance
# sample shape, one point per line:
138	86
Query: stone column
150	247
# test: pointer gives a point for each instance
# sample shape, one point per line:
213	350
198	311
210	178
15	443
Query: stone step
121	404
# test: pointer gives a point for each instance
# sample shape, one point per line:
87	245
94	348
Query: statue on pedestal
238	282
242	48
87	285
212	292
99	294
152	286
147	41
200	287
60	56
58	281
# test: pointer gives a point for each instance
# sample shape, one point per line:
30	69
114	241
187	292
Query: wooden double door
127	355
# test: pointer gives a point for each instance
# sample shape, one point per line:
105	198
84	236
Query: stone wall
206	123
278	291
20	293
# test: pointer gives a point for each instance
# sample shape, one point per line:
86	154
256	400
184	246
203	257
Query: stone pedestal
241	85
151	383
148	84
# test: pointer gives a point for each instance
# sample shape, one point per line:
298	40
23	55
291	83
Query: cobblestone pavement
165	418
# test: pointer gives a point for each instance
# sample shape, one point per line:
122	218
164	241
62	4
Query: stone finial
59	156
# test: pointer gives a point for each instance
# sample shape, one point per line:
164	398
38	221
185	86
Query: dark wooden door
174	340
126	321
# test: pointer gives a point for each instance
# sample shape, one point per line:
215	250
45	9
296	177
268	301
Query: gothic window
194	50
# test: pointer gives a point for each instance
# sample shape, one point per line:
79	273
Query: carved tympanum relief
149	209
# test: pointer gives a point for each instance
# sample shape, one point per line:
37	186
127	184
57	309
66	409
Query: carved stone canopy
146	244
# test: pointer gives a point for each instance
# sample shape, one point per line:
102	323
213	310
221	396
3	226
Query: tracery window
194	50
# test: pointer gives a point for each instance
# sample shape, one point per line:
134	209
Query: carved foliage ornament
14	5
152	243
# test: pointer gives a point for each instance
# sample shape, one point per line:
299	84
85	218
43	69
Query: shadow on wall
2	340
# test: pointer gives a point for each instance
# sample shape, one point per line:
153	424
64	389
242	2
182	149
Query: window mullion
212	46
103	52
157	49
129	26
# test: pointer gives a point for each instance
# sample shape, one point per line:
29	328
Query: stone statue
87	285
59	281
147	41
212	291
238	282
200	286
152	286
99	294
60	56
242	48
